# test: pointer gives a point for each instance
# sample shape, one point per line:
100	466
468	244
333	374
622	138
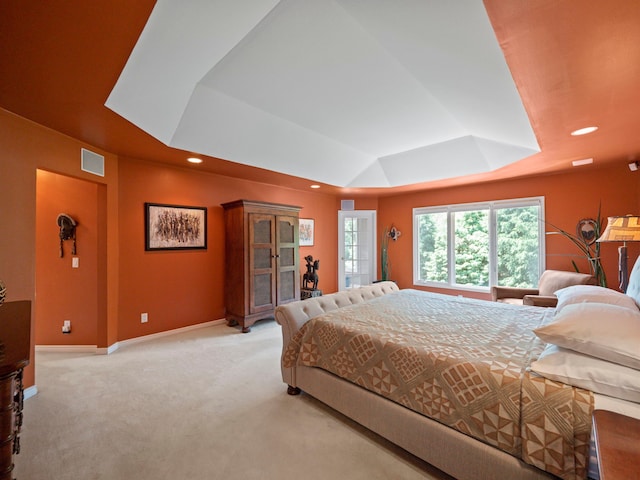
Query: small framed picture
306	232
175	227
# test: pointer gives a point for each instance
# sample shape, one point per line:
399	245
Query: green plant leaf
590	251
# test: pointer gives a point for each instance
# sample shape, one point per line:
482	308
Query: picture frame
174	227
307	232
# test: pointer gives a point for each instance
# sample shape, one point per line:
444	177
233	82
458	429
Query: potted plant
384	255
589	247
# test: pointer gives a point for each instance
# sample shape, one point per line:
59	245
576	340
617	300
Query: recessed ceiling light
583	131
194	160
585	161
315	186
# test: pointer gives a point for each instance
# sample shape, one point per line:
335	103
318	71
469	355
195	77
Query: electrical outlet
144	317
75	262
66	326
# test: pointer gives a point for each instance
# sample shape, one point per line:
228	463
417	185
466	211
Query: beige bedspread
462	362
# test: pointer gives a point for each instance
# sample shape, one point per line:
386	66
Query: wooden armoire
262	260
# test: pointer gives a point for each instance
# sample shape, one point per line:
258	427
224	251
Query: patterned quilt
462	362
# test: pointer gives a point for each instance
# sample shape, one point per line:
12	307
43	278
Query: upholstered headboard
633	289
295	314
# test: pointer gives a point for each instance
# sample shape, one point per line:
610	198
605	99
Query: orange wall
180	288
27	147
63	292
568	199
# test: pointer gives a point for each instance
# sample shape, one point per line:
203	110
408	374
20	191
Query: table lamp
622	229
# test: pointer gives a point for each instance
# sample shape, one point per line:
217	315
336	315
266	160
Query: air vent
347	204
92	162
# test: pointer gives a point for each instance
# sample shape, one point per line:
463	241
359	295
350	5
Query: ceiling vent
92	162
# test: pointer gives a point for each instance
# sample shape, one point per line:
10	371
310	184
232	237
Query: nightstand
617	440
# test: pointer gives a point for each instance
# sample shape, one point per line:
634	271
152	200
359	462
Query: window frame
492	206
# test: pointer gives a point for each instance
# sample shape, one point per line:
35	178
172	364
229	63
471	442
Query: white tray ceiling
352	93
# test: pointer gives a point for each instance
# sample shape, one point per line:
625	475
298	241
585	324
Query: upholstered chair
543	296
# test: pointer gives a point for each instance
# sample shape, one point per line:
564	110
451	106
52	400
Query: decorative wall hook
67	231
394	233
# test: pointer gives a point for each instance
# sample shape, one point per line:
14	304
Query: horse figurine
310	275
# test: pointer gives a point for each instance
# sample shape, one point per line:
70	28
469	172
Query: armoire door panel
287	257
287	287
262	228
262	257
287	227
262	292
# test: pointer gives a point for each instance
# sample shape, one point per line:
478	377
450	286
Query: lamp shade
621	229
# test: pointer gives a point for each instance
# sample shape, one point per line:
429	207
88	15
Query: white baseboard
67	348
131	341
107	351
152	336
30	392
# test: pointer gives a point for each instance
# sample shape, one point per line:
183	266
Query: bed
477	389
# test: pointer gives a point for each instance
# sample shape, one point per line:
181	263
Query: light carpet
204	404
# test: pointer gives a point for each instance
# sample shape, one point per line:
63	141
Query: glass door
356	248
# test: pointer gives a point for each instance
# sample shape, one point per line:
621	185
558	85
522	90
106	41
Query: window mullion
493	247
451	247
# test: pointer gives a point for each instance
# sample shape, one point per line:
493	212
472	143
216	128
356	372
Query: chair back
553	280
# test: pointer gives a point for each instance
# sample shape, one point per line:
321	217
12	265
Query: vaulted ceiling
351	94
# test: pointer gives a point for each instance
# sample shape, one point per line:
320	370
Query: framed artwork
586	230
306	232
174	227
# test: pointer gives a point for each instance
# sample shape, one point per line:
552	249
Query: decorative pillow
633	290
592	294
609	332
587	372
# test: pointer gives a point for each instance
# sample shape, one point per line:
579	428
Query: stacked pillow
594	342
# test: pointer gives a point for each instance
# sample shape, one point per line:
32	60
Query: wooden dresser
262	264
15	336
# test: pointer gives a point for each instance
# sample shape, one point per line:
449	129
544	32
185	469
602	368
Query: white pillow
592	294
587	372
609	332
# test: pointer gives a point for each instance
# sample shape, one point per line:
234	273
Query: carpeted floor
205	404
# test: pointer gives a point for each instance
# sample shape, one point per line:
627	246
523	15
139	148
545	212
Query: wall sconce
67	231
622	229
633	166
394	233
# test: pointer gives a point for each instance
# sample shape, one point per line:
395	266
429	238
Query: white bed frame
453	452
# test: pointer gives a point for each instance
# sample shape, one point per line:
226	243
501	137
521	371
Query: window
478	245
356	248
